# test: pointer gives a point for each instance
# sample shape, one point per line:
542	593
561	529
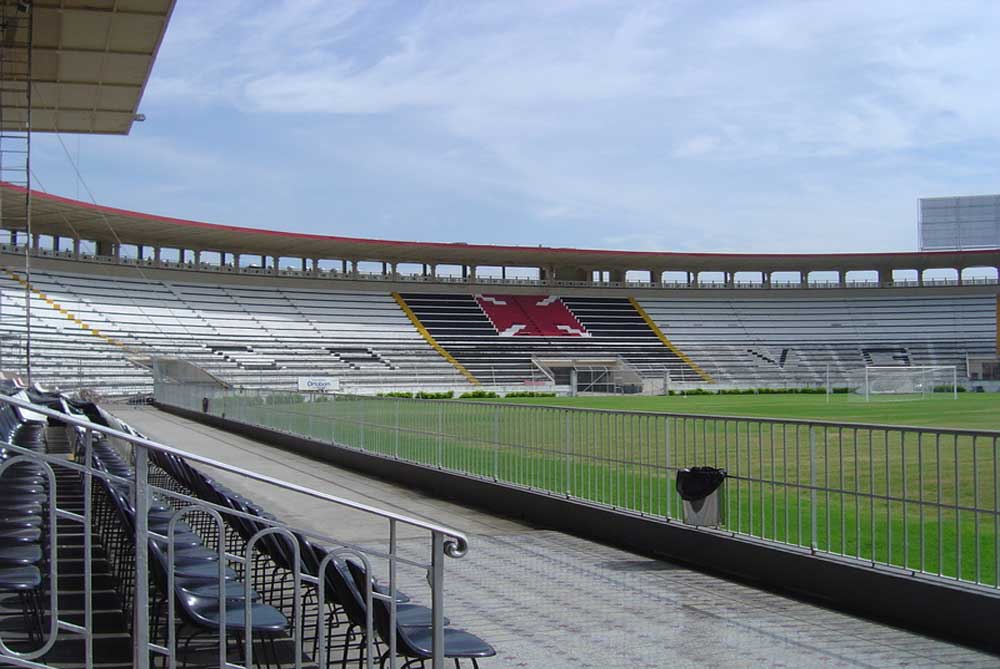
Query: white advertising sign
319	384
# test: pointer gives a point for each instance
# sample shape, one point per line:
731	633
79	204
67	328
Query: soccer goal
901	383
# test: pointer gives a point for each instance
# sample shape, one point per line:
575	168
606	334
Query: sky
673	126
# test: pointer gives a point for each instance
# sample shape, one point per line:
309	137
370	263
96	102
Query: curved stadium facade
111	291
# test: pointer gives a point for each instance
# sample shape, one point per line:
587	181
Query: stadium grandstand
111	291
234	447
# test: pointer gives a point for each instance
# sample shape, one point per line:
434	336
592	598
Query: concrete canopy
90	62
58	216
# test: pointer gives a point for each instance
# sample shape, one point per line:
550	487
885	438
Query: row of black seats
196	572
345	581
25	522
200	580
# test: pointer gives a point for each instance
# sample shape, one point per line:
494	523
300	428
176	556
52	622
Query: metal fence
923	500
246	569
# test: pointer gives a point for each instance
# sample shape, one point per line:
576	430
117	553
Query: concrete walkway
546	599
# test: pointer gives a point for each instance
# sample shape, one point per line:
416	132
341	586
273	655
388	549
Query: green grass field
922	500
974	411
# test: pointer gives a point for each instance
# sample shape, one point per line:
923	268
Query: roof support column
503	272
305	265
617	275
36	241
765	279
315	266
803	279
472	273
76	247
236	262
394	270
960	282
841	278
156	255
920	277
277	264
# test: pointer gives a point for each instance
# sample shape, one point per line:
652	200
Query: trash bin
700	489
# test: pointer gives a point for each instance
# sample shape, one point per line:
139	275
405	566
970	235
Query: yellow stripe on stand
430	339
58	307
669	344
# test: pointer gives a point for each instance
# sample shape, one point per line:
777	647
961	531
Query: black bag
697	483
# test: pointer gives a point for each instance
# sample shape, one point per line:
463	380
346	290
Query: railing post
496	442
437	599
333	422
440	454
397	403
140	628
666	463
88	542
569	492
812	486
361	422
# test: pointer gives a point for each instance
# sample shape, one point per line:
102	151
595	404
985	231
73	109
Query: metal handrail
456	548
885	476
142	490
512	281
673	414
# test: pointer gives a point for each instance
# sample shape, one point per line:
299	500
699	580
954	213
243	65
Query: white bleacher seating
254	337
791	340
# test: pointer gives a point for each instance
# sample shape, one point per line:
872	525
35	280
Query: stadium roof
90	62
54	215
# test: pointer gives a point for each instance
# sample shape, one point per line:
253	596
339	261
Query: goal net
900	383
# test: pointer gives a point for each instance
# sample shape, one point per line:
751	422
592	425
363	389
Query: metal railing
925	501
299	593
291	272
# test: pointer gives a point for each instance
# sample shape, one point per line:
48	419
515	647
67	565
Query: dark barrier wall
941	609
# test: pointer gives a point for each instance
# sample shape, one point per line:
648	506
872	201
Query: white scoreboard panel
959	223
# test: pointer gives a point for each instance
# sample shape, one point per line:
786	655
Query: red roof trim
452	245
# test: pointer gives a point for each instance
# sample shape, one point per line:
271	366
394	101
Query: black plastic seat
417	643
20	579
23	554
19	535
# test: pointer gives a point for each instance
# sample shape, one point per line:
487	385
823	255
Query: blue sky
687	126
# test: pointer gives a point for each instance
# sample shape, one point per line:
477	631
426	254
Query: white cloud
686	124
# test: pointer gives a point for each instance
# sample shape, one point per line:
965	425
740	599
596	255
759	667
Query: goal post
901	383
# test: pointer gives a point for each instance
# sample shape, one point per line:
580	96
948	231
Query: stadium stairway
112	647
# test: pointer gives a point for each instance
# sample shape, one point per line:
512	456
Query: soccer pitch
972	411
